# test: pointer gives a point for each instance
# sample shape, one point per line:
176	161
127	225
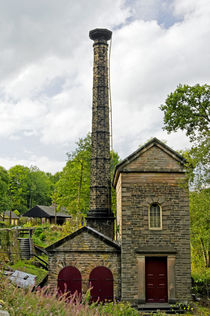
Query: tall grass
44	302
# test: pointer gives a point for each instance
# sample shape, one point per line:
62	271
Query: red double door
100	281
156	280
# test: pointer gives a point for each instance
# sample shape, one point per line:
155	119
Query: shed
47	214
10	217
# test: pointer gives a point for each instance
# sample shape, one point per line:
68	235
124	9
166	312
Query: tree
40	188
73	187
188	109
200	227
29	187
18	187
4	198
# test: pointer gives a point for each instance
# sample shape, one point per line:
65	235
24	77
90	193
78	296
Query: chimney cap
100	34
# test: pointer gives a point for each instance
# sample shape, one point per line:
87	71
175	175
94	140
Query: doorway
156	279
101	283
69	280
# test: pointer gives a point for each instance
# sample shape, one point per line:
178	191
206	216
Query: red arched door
101	282
69	280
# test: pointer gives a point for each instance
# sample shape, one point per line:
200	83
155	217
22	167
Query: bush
3	224
201	283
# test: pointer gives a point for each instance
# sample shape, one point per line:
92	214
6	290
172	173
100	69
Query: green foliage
40	188
188	109
45	235
200	228
201	282
9	246
4	198
73	186
18	187
119	309
43	302
29	187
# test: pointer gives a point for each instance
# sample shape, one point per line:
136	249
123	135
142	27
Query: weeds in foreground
21	302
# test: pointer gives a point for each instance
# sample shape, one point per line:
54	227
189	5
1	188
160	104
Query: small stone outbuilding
86	250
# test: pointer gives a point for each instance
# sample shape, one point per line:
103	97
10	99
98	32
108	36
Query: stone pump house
149	260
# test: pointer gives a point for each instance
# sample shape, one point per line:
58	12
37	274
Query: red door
101	282
156	280
69	280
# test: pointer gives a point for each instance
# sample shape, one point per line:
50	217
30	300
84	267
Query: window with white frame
155	216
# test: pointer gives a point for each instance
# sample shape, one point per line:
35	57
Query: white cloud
46	69
44	163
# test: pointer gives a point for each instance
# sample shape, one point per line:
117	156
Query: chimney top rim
100	34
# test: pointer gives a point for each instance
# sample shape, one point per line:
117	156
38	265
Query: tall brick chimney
100	216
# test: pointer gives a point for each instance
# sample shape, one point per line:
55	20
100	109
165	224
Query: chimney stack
100	216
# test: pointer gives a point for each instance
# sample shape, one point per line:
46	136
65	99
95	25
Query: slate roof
7	215
135	154
44	211
89	230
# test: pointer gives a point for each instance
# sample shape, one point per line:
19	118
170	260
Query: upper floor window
155	216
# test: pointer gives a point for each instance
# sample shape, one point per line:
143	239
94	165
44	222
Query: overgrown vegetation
45	235
19	302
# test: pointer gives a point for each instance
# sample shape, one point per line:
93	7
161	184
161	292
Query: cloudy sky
46	72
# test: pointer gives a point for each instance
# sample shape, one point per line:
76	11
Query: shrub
201	283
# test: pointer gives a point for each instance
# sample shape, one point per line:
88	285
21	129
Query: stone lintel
153	171
85	251
156	251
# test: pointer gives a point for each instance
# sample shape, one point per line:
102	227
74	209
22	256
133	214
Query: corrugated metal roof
22	279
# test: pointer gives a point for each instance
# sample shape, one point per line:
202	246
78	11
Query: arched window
155	216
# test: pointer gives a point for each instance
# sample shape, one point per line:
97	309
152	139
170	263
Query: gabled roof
89	230
9	214
153	142
44	211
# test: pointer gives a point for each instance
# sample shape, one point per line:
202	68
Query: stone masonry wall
100	216
85	252
100	198
138	192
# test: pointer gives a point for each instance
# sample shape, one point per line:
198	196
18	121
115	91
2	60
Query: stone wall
9	246
140	187
85	252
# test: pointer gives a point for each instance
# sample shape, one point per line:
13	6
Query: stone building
149	262
153	225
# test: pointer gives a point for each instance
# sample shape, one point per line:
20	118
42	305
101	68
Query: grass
28	267
20	302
